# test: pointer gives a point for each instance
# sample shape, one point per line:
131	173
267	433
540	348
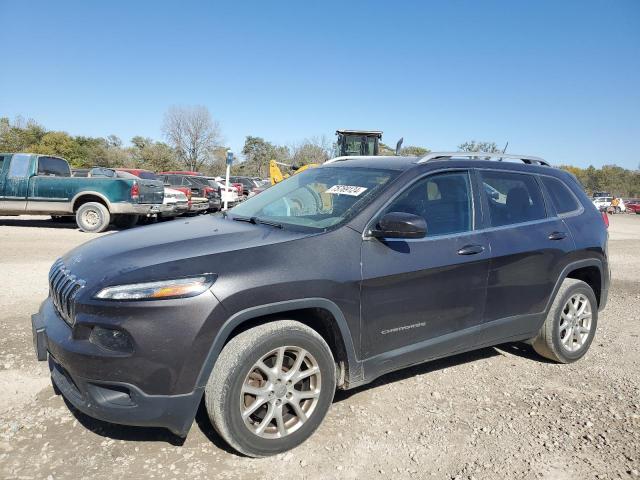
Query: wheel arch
85	197
321	314
589	271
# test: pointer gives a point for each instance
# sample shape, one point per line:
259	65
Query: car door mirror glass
400	225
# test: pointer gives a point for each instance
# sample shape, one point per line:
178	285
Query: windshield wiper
256	220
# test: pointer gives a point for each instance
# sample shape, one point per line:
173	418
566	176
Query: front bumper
153	386
146	209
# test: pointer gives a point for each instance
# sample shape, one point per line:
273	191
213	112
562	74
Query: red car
633	206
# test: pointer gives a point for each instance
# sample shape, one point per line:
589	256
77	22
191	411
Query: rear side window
443	200
53	167
512	198
19	167
561	197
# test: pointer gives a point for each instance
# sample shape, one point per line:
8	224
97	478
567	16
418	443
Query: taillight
135	191
605	219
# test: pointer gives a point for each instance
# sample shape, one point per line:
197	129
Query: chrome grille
63	288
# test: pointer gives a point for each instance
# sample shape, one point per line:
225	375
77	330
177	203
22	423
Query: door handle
557	235
471	250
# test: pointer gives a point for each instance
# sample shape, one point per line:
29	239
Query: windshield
318	198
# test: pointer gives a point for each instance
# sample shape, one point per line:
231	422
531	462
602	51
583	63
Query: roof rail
351	157
528	159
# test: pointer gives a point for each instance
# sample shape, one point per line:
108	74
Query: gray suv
327	280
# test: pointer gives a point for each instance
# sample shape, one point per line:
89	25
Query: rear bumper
136	208
199	207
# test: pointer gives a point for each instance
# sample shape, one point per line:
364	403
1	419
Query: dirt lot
495	413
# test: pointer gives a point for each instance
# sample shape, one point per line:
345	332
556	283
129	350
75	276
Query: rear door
528	246
15	187
425	297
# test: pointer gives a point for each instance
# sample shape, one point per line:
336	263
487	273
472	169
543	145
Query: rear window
561	197
512	198
53	167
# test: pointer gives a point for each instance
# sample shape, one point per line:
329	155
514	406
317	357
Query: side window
53	167
563	200
19	167
444	200
512	198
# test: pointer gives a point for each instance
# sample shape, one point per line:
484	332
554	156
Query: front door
423	298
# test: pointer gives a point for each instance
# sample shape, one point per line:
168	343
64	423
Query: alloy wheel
575	322
280	392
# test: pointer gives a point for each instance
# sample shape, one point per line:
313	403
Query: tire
93	217
125	221
618	210
553	341
236	368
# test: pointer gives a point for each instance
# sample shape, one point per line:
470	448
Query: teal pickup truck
43	185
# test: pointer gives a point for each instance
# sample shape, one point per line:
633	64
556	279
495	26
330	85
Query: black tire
549	341
125	221
224	397
93	217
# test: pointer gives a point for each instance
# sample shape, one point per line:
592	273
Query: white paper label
352	190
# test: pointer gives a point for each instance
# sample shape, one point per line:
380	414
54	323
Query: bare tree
193	134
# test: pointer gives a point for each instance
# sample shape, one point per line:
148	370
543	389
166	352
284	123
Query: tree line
193	141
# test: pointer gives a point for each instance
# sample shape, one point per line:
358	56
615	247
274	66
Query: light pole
229	162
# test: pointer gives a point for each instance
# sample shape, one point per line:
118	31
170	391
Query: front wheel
570	325
93	217
271	387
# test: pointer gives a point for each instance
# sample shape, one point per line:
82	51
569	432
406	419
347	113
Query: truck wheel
93	217
271	387
125	221
571	323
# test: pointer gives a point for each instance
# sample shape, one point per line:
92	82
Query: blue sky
556	79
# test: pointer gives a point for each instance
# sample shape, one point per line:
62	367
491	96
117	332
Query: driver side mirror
400	225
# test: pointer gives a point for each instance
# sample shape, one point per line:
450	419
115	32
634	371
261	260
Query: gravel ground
495	413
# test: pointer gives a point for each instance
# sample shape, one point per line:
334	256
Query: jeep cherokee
327	280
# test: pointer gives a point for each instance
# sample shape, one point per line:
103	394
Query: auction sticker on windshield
352	190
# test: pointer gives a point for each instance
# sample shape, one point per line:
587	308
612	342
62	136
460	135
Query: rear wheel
570	325
93	217
271	388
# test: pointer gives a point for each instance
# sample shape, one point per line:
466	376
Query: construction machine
349	143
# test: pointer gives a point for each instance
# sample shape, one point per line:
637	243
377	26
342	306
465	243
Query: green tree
474	146
414	151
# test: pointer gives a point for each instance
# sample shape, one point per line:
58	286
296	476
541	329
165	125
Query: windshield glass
317	198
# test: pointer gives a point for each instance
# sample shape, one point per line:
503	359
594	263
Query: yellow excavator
349	143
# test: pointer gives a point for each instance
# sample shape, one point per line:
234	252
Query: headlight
166	289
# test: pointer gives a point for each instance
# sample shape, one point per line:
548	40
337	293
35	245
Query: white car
228	193
605	202
175	203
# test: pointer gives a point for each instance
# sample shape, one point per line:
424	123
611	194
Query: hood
176	249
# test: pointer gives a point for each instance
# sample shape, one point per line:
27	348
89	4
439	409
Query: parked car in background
43	185
203	196
228	193
249	185
176	202
602	203
359	267
633	206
